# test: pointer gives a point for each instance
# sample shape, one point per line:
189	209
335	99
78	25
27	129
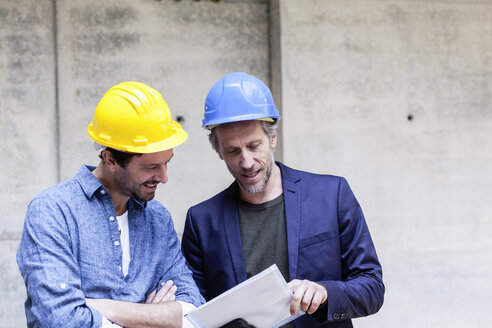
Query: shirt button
63	285
111	218
117	243
119	267
103	191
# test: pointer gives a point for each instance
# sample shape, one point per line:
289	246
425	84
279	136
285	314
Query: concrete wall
57	58
27	130
396	96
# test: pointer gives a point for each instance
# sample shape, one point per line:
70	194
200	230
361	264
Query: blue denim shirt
70	249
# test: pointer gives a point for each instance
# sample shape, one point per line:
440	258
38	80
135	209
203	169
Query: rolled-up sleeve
50	270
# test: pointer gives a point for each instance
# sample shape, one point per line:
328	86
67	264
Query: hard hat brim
172	141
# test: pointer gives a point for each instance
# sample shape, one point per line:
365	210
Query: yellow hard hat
133	117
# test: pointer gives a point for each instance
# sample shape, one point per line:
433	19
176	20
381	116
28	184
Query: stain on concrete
87	69
97	18
23	17
103	43
252	65
23	45
22	70
20	96
10	235
3	17
247	14
9	130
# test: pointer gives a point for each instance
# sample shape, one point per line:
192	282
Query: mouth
150	186
250	175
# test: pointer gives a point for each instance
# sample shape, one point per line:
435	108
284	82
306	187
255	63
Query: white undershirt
124	241
125	246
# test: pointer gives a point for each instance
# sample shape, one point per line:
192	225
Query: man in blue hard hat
311	226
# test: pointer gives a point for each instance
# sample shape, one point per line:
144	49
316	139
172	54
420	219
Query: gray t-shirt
264	237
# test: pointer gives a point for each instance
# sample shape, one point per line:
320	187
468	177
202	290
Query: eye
254	146
231	151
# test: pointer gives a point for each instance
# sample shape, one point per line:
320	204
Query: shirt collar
88	181
90	184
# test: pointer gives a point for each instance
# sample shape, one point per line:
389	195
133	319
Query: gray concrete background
28	132
347	76
396	96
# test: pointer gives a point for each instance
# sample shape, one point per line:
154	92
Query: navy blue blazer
328	242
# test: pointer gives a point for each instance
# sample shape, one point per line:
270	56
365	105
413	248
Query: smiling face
248	153
141	175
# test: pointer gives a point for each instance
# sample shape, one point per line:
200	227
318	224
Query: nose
247	160
161	176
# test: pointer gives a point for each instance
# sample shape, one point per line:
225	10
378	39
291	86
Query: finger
307	297
316	301
150	297
169	297
164	290
296	299
293	284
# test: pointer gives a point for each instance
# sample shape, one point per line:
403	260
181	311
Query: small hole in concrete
410	117
180	119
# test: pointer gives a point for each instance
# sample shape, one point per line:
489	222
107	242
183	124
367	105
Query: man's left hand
308	295
166	294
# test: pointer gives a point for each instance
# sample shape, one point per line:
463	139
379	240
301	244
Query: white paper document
263	301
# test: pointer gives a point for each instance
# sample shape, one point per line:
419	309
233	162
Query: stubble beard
257	189
131	189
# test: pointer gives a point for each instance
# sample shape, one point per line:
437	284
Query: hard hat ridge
134	117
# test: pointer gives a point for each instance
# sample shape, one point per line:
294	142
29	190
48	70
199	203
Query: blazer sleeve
361	290
190	245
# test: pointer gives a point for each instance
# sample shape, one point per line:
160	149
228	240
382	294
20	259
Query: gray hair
270	129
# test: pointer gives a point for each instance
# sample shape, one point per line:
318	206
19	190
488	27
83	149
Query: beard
259	188
128	186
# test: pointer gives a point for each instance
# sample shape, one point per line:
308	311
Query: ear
273	142
108	159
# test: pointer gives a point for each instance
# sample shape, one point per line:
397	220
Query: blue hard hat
238	97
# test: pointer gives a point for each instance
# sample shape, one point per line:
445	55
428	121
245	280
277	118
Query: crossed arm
159	310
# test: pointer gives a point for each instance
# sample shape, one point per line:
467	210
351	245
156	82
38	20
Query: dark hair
120	157
270	129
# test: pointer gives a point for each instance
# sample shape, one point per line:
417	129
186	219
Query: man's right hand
166	294
307	295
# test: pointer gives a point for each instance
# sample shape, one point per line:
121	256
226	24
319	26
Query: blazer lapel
233	234
292	200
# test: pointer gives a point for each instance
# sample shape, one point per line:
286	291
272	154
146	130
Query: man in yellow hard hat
97	250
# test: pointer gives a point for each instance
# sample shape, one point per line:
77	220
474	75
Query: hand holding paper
263	301
308	296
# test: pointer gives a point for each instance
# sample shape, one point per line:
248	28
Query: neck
272	190
105	176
